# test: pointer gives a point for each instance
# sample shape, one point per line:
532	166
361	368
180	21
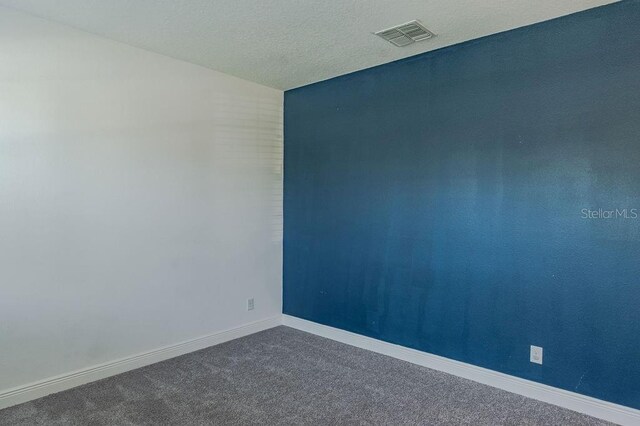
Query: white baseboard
573	401
70	380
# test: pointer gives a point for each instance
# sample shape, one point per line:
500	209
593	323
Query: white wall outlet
536	354
250	304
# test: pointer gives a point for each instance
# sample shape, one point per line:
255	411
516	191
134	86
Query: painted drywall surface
437	202
140	200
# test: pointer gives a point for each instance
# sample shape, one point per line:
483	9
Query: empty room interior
303	212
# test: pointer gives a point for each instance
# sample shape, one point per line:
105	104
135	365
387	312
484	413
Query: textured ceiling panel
290	43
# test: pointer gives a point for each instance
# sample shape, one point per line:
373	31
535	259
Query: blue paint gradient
436	202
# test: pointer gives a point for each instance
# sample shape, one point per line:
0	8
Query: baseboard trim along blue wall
615	413
475	200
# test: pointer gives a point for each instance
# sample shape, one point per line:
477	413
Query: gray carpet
286	377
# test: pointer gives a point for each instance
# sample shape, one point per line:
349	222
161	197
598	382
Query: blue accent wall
437	202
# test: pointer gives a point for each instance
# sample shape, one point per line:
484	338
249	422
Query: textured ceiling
290	43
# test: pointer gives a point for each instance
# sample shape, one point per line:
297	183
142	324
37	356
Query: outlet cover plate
536	354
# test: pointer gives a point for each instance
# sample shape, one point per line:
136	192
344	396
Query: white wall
140	200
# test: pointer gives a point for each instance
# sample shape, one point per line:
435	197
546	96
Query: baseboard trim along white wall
573	401
70	380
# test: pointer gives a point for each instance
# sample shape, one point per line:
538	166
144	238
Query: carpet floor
286	377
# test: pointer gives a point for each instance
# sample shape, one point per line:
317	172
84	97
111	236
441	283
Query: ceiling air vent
405	34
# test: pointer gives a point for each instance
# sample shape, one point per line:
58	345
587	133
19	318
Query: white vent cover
405	34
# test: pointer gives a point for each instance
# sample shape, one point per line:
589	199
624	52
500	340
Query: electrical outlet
250	304
536	354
